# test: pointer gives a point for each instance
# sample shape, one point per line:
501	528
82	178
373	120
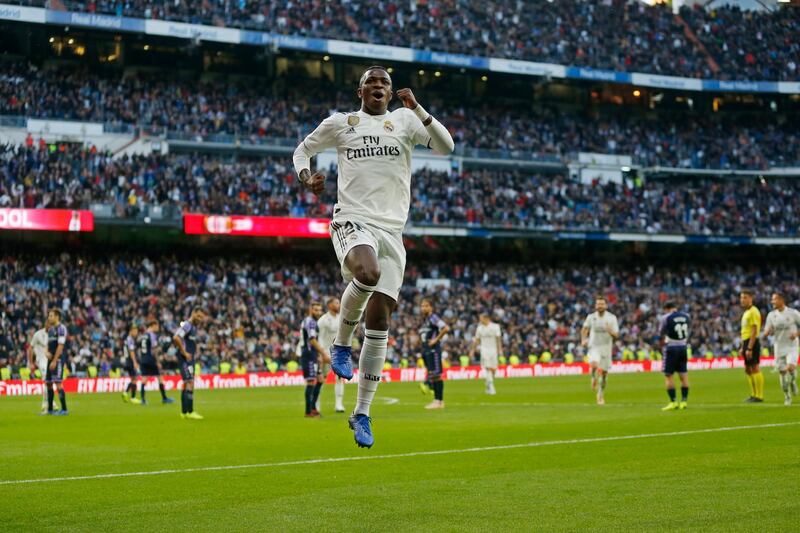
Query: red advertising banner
283	379
241	225
46	219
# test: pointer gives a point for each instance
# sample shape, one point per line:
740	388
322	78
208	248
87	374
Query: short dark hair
199	308
152	322
748	292
56	311
330	300
780	295
373	67
426	299
670	304
314	303
601	297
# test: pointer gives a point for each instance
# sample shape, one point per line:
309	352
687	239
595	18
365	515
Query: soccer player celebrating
56	359
312	358
491	341
131	365
328	327
148	363
37	358
185	339
783	323
599	331
675	335
374	187
751	348
431	332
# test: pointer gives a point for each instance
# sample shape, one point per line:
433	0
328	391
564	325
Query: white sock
338	390
354	301
489	378
785	382
370	365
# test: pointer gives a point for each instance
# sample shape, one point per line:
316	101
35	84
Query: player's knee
368	274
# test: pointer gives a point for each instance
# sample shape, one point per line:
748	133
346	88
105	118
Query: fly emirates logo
372	148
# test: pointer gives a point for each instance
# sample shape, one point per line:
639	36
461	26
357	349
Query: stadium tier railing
373	52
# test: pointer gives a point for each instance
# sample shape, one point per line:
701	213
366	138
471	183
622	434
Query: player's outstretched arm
441	140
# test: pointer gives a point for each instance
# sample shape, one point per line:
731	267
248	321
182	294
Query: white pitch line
397	455
611	405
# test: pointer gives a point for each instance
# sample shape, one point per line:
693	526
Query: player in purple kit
185	339
131	365
312	358
57	359
431	332
148	363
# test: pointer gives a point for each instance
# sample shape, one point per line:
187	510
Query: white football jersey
39	344
598	334
783	323
488	337
328	325
374	155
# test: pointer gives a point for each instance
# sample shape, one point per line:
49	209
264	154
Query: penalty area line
397	455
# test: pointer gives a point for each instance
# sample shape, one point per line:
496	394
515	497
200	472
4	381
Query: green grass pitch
570	472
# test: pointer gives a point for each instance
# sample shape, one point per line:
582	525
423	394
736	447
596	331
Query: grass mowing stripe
398	455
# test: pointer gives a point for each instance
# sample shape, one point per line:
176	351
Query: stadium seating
257	305
616	34
68	176
218	111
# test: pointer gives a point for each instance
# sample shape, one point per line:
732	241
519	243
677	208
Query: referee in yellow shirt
751	349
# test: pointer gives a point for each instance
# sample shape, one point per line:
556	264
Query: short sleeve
588	322
184	328
311	329
62	335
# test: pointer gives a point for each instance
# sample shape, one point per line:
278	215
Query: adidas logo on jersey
351	130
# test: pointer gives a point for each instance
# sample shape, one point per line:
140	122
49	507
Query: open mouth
378	95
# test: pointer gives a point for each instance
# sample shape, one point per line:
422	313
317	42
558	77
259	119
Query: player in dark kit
185	339
675	335
57	357
431	332
312	358
131	365
148	363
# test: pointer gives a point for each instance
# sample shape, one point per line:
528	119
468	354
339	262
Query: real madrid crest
353	120
387	126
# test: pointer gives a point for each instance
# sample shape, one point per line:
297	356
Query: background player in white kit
783	323
374	149
37	355
328	325
599	331
491	346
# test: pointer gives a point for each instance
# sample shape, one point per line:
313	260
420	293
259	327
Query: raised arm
440	139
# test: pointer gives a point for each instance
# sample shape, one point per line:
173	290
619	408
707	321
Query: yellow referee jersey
750	318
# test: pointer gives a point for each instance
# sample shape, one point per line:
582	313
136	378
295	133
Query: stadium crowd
257	305
259	114
70	176
608	34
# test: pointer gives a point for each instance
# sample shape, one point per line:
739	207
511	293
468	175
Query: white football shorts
389	248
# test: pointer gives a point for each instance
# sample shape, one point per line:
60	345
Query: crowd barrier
283	379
